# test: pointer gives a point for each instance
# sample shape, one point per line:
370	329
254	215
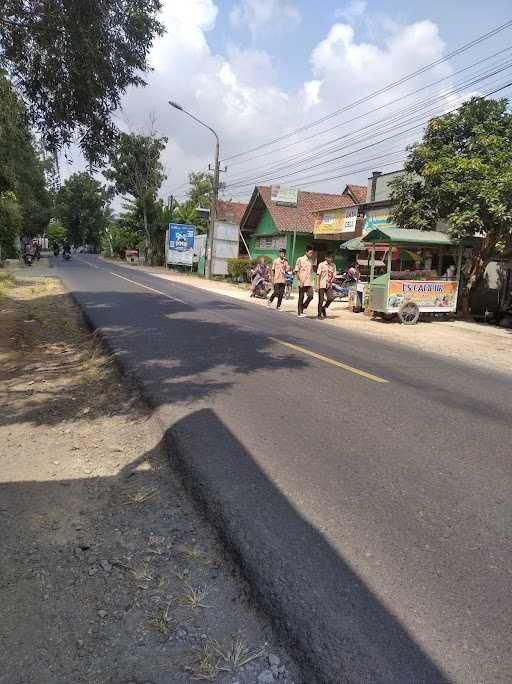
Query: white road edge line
134	282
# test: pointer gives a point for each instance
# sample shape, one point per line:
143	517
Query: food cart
429	283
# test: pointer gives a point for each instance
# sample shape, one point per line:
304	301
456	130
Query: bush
240	269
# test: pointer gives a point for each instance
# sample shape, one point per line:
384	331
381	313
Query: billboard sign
180	247
287	197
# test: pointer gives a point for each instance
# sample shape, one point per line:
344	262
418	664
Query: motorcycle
289	285
341	286
66	255
28	259
262	289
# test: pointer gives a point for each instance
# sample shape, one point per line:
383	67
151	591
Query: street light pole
215	189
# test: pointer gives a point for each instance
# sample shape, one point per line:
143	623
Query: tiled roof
358	192
230	211
301	218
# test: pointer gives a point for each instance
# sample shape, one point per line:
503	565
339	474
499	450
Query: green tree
185	213
23	170
122	233
71	62
461	173
56	232
200	194
80	205
11	222
136	170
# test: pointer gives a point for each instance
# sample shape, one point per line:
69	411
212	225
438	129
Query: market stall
416	272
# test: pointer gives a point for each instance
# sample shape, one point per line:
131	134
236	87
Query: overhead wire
371	111
311	180
398	119
380	91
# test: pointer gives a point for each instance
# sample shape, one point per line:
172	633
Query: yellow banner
329	223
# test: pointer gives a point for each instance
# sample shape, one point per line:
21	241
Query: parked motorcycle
341	285
289	285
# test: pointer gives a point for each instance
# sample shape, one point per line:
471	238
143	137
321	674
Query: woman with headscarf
260	274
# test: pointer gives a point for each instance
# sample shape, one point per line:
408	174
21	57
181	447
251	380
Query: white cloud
237	91
352	11
354	69
268	15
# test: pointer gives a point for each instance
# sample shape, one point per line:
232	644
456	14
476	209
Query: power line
373	110
398	119
386	88
396	116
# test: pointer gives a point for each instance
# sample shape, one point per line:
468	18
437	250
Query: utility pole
213	211
215	190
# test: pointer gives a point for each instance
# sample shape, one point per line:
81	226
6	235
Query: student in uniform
304	271
326	273
279	269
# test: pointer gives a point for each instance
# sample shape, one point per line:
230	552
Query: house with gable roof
277	218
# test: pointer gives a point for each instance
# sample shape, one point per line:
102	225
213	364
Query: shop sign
434	294
350	220
287	197
330	223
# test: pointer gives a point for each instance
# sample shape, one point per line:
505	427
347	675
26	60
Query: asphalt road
372	511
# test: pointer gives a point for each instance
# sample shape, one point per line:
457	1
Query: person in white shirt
279	269
304	271
326	273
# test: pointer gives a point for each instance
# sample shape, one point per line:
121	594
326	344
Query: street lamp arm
181	109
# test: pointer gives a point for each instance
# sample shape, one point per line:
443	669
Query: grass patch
194	597
6	280
214	659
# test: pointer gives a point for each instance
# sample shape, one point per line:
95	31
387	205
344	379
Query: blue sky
458	20
258	69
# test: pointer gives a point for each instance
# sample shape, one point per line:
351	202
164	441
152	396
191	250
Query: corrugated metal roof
408	236
355	244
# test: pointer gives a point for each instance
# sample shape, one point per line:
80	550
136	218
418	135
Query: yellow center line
333	362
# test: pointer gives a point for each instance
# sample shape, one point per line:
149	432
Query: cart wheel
409	313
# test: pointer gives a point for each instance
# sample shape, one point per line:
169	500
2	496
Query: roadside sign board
180	247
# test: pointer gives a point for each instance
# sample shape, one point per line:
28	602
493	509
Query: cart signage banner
181	244
434	294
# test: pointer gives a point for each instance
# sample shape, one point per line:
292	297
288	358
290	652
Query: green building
277	218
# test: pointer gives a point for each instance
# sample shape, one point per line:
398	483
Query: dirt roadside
472	343
108	574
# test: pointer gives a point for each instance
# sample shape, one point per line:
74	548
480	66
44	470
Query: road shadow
342	630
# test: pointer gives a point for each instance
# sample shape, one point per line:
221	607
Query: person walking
279	269
304	271
326	273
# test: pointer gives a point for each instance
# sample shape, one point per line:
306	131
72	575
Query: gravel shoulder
477	344
108	573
